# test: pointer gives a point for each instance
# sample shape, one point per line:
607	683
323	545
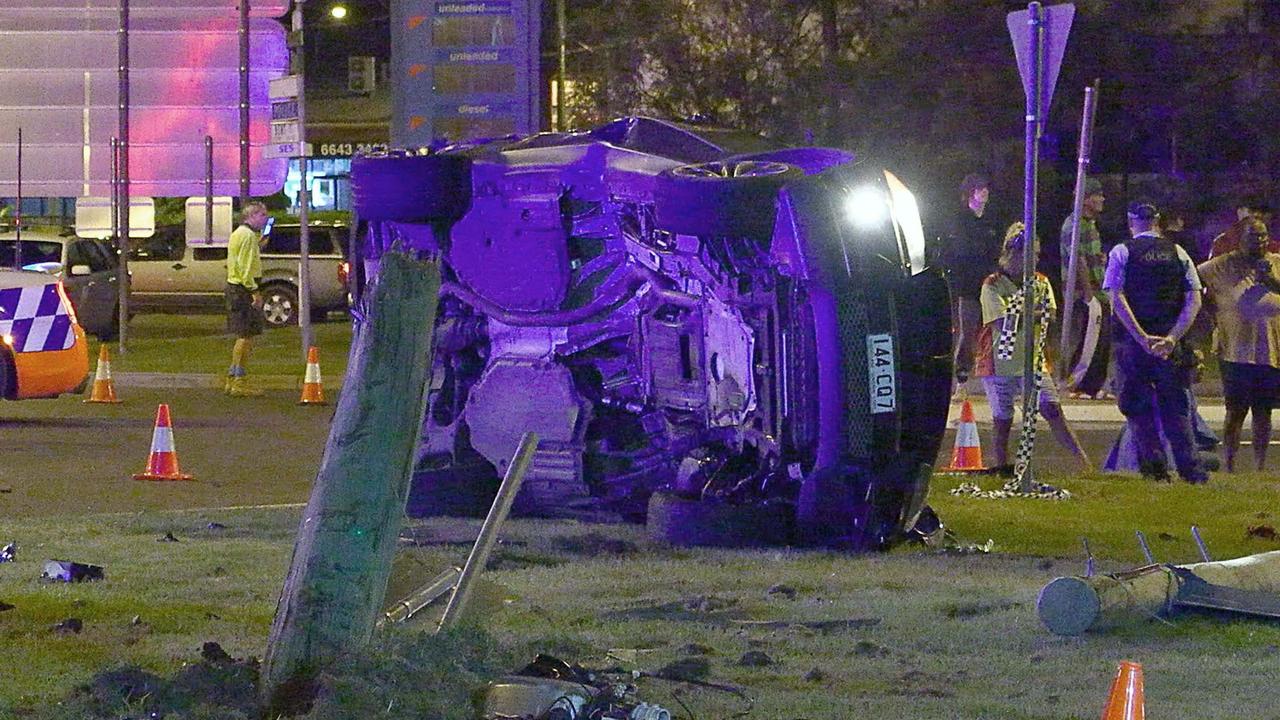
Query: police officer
1155	295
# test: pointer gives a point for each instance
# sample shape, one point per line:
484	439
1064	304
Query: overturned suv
741	345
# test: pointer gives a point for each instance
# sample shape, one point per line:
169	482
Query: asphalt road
65	456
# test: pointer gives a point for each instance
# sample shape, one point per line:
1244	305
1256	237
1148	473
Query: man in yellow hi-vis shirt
244	304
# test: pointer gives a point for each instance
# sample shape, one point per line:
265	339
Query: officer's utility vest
1154	283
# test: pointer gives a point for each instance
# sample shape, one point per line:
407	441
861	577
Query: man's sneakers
240	387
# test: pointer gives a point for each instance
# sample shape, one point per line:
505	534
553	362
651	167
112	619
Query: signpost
183	86
1039	41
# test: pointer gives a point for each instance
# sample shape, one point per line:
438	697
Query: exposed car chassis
741	347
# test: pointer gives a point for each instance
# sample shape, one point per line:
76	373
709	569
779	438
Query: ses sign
58	71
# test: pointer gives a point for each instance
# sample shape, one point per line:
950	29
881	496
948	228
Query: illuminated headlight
8	340
906	213
866	207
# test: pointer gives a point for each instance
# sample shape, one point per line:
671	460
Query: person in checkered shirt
1001	350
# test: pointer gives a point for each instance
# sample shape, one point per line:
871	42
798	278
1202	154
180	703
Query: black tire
279	304
724	198
411	188
681	521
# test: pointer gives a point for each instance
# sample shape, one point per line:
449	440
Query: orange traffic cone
1125	702
967	456
312	386
163	463
104	390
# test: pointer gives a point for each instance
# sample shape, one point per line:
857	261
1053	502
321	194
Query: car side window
209	253
283	241
87	252
161	246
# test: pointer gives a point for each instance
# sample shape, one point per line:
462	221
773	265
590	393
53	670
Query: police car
43	352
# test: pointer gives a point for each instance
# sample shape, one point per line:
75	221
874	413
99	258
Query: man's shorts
1005	391
244	320
1246	386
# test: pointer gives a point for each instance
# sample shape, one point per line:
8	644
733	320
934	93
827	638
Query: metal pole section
1030	391
304	197
208	190
562	33
17	211
124	175
115	194
479	556
422	597
244	102
1077	207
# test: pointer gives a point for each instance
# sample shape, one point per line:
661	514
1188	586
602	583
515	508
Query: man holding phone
244	304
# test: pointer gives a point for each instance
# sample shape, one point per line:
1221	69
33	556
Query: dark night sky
365	31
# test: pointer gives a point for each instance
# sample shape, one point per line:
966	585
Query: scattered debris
709	603
136	620
5	607
5	489
819	625
965	610
70	626
690	668
1262	532
1168	537
1012	490
9	552
697	649
868	648
756	658
551	688
168	537
784	590
213	652
815	675
215	526
67	571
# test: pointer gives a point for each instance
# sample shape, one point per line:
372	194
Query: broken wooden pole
337	579
1074	605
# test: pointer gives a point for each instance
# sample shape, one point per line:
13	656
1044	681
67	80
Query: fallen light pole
342	558
1248	585
498	512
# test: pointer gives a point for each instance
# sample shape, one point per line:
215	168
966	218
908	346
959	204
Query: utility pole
244	102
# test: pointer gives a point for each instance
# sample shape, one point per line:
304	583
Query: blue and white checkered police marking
35	318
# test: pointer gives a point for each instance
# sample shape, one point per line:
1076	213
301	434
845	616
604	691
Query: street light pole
304	200
562	31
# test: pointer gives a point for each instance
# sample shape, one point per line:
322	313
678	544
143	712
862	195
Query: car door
91	277
153	264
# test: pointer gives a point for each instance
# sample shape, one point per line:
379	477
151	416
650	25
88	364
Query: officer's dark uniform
1152	389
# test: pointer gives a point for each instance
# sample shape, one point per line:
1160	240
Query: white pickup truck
170	276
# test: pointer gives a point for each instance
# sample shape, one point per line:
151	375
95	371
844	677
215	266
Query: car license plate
884	392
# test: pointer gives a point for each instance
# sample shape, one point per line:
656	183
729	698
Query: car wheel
411	188
725	198
279	305
683	521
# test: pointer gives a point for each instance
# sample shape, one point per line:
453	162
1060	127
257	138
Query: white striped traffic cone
104	390
312	386
163	462
967	456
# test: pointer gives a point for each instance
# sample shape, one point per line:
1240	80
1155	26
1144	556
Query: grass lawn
199	344
926	634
